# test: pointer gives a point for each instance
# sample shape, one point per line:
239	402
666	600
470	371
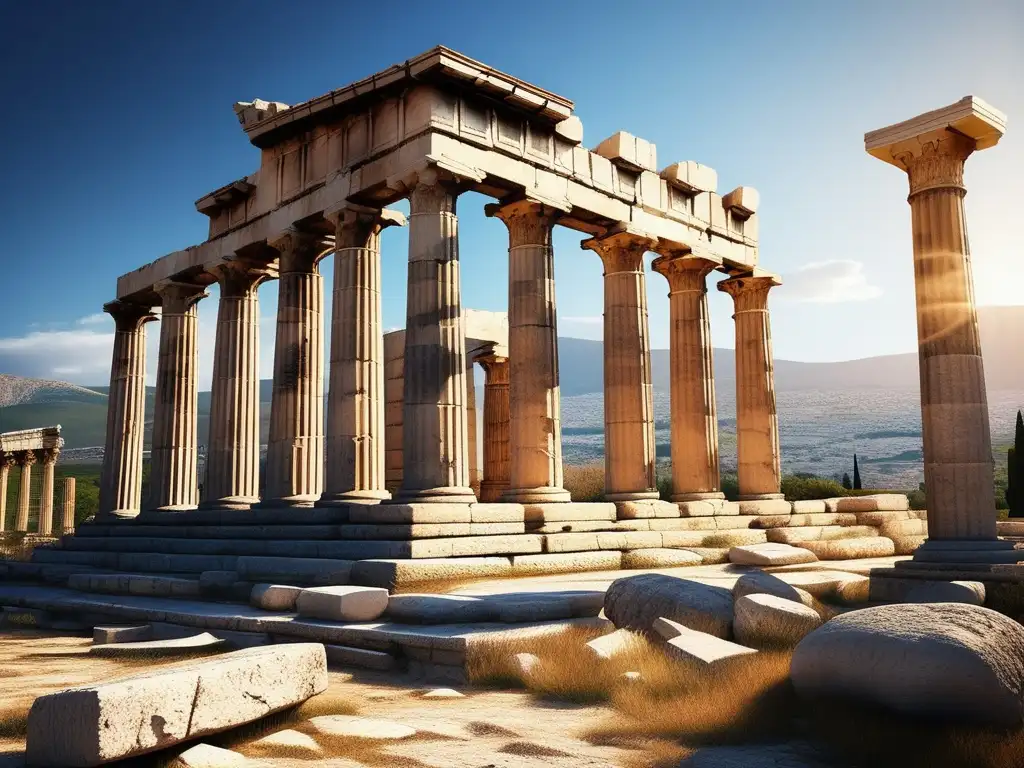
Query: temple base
651	495
449	494
539	495
353	497
697	496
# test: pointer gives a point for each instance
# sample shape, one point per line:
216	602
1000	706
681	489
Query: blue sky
118	116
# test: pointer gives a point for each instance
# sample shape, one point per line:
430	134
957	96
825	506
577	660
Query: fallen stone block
525	664
343	603
761	583
274	597
344	656
969	592
635	602
953	662
287	743
660	558
768	620
618	642
354	727
185	646
209	756
96	724
135	634
770	554
693	646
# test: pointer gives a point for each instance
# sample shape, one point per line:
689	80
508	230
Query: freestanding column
434	436
958	471
121	478
497	453
355	406
394	384
757	424
629	449
26	460
295	453
695	472
472	415
233	455
173	481
46	494
534	402
68	507
6	462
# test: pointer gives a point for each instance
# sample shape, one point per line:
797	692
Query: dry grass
585	482
14	718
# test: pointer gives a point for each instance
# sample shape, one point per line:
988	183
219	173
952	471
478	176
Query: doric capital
50	455
299	251
621	250
240	277
749	293
27	458
528	222
128	316
355	225
7	460
177	298
496	369
685	272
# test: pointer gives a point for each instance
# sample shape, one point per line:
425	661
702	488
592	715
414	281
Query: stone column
6	462
534	401
629	449
26	460
233	455
497	418
695	473
394	384
958	468
434	437
46	494
173	479
121	477
68	507
472	415
295	453
355	406
757	424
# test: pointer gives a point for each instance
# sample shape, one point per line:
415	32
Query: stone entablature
37	439
498	135
24	449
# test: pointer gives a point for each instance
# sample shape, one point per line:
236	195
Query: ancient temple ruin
23	449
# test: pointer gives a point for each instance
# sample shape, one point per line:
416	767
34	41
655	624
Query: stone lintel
690	177
628	151
970	117
742	201
36	439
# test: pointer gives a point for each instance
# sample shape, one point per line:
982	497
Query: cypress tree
846	481
856	474
1015	471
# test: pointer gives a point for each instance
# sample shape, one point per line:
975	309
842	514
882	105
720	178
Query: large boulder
761	583
947	660
636	602
769	620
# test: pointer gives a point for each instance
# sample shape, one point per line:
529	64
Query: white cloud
97	319
828	282
80	355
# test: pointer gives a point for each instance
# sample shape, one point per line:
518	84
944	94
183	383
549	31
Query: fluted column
394	384
173	479
121	477
46	492
233	454
757	423
497	419
355	405
434	436
695	473
534	400
295	453
472	417
7	460
68	507
25	460
629	448
958	465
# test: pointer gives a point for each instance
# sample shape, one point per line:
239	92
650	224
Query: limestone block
791	535
691	177
570	129
701	648
217	580
344	656
879	502
634	602
567	562
743	200
572	511
525	664
629	540
287	743
209	756
274	597
970	592
881	518
294	570
342	603
411	513
660	558
570	542
95	724
391	573
761	522
954	661
133	634
808	507
615	643
765	507
354	727
414	608
761	583
770	554
525	610
711	555
632	510
708	507
767	620
497	513
850	549
183	646
628	151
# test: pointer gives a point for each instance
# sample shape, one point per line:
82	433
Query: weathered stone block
770	554
342	603
691	177
135	634
391	573
660	558
569	562
344	656
768	620
274	597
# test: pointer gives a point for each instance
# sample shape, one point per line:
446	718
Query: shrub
800	488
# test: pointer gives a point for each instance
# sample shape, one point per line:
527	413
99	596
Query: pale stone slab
92	725
411	513
443	693
538	607
343	603
761	583
135	634
569	512
881	502
766	507
660	558
209	756
768	620
274	597
693	646
391	573
526	664
354	727
617	642
287	743
770	554
344	656
808	507
708	507
633	510
201	643
635	602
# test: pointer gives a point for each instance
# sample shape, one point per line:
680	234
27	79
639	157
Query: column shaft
233	455
757	423
46	493
534	399
695	469
121	477
497	437
434	437
68	507
629	448
27	459
6	462
295	453
394	384
173	480
355	406
472	421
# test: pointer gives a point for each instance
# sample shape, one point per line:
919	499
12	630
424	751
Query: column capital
27	458
685	272
529	222
431	172
7	460
749	292
50	455
177	298
299	251
238	277
355	224
129	316
621	250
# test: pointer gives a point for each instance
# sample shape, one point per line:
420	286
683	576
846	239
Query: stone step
896	528
849	549
256	516
134	584
819	533
273	532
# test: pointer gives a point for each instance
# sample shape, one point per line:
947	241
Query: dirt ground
485	729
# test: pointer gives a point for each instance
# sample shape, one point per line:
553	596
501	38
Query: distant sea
819	431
